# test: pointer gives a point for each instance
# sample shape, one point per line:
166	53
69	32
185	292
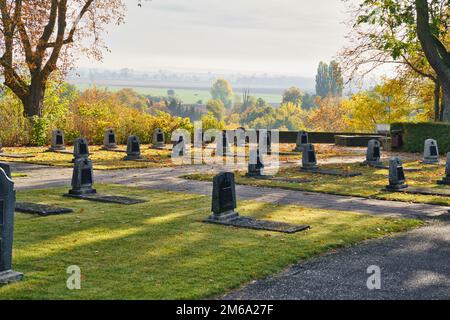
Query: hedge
415	134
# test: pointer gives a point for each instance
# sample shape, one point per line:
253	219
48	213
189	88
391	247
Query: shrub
415	134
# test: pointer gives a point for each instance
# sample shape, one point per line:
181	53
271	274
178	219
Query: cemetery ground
113	160
367	185
161	249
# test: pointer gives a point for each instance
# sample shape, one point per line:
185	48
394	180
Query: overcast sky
264	36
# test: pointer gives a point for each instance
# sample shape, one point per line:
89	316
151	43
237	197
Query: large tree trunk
446	104
436	53
34	102
437	100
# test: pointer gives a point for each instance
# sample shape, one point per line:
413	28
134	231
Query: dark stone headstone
373	155
6	168
80	149
302	139
396	175
224	197
133	149
309	159
82	178
446	180
57	141
159	140
255	165
179	145
7	205
431	152
109	141
224	204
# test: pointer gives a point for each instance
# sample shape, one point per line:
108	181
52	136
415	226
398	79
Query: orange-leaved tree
38	37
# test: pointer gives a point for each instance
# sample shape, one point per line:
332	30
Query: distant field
188	96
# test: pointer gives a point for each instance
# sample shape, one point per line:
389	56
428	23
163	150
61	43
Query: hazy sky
264	36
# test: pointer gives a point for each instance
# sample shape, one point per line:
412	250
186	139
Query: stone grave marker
309	164
159	140
109	140
446	180
180	145
7	205
57	141
82	177
34	208
309	159
302	140
133	149
80	149
431	152
224	204
396	175
255	165
373	154
82	186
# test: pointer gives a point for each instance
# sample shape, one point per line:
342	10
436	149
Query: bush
415	134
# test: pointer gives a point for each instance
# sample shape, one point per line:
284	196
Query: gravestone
133	149
109	141
82	186
396	175
255	165
302	139
373	155
224	205
431	152
224	198
57	141
159	140
446	180
82	177
7	205
80	149
309	159
6	168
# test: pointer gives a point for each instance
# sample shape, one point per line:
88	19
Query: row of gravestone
109	142
430	154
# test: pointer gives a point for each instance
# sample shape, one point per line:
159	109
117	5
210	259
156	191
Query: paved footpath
414	265
168	179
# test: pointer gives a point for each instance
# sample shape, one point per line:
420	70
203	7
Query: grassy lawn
107	160
103	160
162	250
368	185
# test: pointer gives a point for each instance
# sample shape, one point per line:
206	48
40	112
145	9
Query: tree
322	80
217	108
39	37
385	32
437	54
293	95
336	79
221	90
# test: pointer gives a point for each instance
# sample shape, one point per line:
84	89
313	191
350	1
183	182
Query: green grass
103	160
189	96
161	250
368	185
